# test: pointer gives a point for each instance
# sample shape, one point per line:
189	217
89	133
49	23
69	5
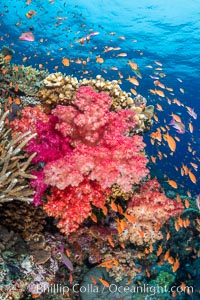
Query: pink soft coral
103	150
85	123
150	209
155	201
50	144
73	205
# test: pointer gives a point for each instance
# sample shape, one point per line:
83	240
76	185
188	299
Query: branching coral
151	209
14	165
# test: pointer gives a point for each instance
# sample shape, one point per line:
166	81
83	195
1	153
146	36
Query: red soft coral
29	117
73	205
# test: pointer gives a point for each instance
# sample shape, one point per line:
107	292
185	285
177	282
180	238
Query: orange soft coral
73	205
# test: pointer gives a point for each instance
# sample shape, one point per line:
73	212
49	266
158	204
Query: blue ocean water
161	37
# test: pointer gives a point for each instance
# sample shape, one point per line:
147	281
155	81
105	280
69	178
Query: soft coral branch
73	205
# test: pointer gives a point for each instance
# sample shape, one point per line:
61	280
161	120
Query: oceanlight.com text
113	289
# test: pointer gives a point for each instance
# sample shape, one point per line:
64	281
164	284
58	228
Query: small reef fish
30	14
104	282
198	201
66	62
133	80
87	37
191	112
171	141
67	262
176	265
160	93
27	36
172	183
192	177
179	126
135	69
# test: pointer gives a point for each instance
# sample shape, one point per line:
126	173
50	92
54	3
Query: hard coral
23	218
73	205
151	209
14	165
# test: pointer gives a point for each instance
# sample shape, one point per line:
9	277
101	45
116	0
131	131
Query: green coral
164	280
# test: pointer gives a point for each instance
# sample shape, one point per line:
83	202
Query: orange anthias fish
192	177
99	60
133	65
7	58
176	265
171	142
30	14
160	250
133	80
123	54
104	282
160	93
65	62
158	83
121	226
172	183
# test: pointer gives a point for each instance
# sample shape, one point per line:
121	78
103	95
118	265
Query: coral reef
5	57
26	81
89	140
90	244
60	89
18	81
27	219
163	279
82	151
121	263
28	267
14	165
150	209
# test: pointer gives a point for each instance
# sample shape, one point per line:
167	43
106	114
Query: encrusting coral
14	165
27	219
